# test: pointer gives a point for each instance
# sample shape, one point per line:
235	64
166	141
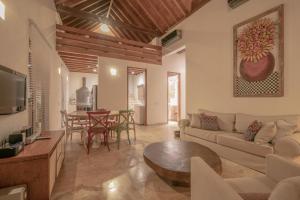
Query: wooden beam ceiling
79	49
92	17
139	20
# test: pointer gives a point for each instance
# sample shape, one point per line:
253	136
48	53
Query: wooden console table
37	166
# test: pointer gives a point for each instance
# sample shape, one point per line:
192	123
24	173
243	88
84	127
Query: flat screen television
12	91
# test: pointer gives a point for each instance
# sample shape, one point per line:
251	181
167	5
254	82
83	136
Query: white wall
75	82
208	37
113	89
14	32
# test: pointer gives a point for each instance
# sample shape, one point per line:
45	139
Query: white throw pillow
196	121
243	120
284	128
287	189
266	133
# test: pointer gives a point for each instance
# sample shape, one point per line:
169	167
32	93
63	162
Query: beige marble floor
122	174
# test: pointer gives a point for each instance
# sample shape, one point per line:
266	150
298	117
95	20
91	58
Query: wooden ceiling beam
88	26
122	16
149	14
181	7
105	44
98	9
196	5
100	6
74	43
106	37
158	9
80	66
188	5
92	17
171	14
125	32
131	17
89	57
80	61
103	54
69	2
144	20
89	3
81	69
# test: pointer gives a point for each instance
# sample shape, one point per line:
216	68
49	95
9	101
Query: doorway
174	96
137	93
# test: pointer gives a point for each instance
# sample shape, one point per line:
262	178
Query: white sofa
282	181
229	142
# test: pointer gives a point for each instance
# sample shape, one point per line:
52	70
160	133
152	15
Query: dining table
84	114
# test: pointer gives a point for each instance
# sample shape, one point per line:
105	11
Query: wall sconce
59	70
2	10
113	71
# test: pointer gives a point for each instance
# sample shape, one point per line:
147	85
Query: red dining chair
98	124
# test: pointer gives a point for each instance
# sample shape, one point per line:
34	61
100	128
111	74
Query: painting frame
280	52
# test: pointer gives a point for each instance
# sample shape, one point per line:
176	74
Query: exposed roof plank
79	49
92	17
121	15
69	2
149	14
139	20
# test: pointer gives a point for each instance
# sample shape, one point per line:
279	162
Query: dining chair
125	123
98	124
71	125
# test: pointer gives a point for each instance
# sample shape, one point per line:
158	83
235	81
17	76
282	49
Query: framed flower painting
258	55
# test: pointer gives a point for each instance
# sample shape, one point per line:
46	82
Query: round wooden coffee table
172	160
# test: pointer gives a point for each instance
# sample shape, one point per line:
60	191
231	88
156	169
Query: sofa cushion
259	184
209	122
195	120
236	141
266	133
210	136
254	196
243	120
284	128
225	120
287	189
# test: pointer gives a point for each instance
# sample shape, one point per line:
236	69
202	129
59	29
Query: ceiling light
132	72
104	28
2	10
94	70
113	71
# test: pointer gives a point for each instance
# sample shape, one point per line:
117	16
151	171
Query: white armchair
207	185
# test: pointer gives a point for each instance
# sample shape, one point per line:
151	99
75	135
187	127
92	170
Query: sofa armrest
288	146
207	185
183	123
279	168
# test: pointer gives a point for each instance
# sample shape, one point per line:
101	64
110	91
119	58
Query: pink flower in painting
257	40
